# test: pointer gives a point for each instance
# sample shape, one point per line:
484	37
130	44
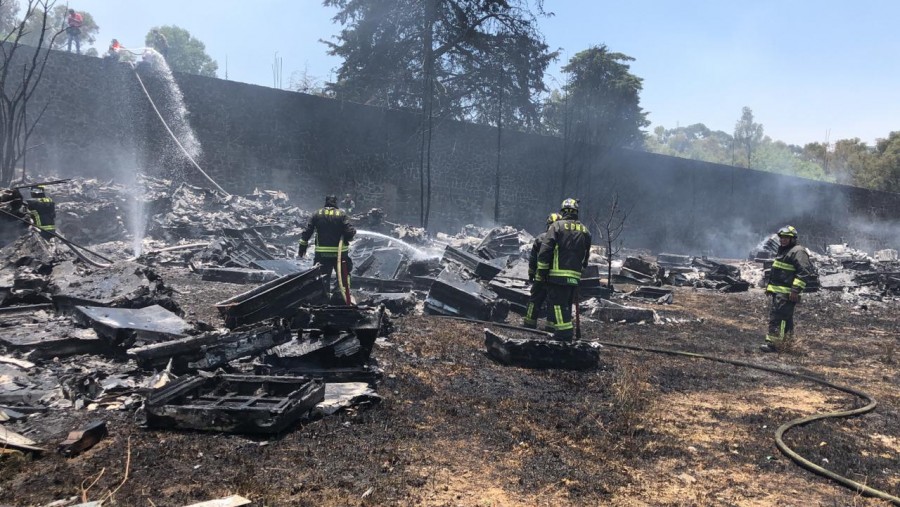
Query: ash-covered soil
457	428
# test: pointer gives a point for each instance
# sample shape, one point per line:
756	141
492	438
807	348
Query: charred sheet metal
282	267
151	324
453	294
381	285
513	290
81	440
382	263
675	263
398	303
484	269
340	395
210	350
542	352
278	298
235	275
233	403
660	295
502	241
609	311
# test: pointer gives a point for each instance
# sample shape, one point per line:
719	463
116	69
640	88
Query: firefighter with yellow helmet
538	285
563	255
791	272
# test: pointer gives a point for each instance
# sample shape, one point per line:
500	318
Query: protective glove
794	296
301	251
530	275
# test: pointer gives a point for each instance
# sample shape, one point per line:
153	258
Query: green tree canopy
747	136
186	54
56	23
478	50
601	101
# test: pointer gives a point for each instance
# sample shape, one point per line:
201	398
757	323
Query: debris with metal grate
542	352
233	403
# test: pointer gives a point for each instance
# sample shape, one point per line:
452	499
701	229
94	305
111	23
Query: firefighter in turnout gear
42	210
790	273
333	235
538	286
563	255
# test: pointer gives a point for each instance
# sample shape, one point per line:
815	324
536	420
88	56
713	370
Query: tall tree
603	100
186	54
747	134
38	28
21	70
392	49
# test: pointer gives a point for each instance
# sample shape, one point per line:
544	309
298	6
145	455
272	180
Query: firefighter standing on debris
790	273
538	285
42	210
333	235
564	254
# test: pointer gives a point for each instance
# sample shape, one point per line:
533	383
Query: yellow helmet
787	231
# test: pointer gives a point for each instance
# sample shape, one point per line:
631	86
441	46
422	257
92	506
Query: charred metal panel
541	352
501	241
151	324
381	285
486	270
515	291
233	403
382	263
606	310
674	262
278	298
655	293
211	349
235	275
282	267
454	295
81	440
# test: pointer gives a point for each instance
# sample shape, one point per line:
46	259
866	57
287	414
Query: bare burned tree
613	227
19	77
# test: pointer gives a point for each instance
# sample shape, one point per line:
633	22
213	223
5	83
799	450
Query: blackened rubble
214	304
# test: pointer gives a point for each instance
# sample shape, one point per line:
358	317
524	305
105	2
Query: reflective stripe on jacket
330	226
564	252
43	213
533	257
792	270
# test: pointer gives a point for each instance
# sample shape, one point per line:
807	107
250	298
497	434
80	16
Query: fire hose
175	138
779	433
75	247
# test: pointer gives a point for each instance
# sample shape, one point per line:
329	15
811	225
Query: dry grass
632	398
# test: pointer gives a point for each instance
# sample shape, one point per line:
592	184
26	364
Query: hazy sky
806	68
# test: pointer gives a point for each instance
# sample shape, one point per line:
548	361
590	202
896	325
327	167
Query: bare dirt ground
456	428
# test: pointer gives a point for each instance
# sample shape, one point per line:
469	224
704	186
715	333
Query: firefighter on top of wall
42	210
333	235
538	285
790	273
563	255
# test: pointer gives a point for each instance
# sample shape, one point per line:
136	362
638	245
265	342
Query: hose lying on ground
779	433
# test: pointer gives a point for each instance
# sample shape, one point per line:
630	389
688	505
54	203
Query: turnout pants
559	302
781	318
329	265
535	302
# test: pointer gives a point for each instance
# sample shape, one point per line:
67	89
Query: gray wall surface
99	123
